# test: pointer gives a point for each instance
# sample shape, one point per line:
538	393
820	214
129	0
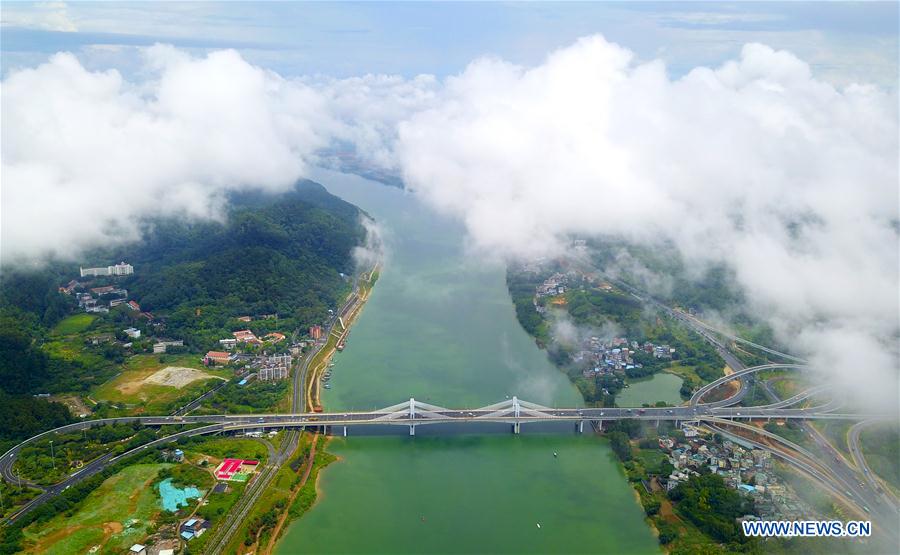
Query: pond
658	387
172	497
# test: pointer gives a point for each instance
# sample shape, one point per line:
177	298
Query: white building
267	373
276	367
120	269
162	346
228	343
133	333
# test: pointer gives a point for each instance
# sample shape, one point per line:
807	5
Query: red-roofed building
102	290
216	357
69	287
134	306
246	336
229	467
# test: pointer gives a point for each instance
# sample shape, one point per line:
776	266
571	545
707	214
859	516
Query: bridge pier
580	426
345	431
516	428
412	429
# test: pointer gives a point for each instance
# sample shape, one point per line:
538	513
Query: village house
217	357
228	343
162	346
246	336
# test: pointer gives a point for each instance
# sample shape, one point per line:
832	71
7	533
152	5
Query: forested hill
266	255
273	255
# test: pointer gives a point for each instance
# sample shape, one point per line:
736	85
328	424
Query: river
440	327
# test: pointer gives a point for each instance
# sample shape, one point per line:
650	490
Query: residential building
133	333
228	343
246	336
273	373
276	367
216	357
120	269
162	346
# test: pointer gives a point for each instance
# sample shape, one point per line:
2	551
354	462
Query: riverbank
440	328
294	489
337	337
606	339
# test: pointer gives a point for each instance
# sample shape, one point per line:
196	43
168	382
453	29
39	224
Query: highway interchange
854	483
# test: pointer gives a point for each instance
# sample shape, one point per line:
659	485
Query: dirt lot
75	405
176	376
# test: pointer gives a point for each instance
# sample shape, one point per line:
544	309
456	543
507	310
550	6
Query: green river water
658	387
440	327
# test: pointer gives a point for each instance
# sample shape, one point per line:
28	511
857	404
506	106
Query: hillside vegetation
280	256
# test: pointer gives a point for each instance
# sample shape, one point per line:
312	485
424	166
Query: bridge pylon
516	408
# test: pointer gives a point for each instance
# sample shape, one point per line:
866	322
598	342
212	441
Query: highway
411	414
842	476
737	398
514	412
239	512
196	402
95	466
860	461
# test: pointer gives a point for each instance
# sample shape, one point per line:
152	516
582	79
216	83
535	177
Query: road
512	412
860	461
240	511
738	374
405	415
97	465
255	489
196	402
846	479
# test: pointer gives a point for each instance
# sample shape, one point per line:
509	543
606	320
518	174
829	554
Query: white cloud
85	153
789	180
785	178
717	18
49	16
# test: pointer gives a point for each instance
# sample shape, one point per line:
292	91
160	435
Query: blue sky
842	42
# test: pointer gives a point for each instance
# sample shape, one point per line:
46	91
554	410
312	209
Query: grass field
685	372
836	433
75	323
787	388
279	492
115	516
129	387
220	448
880	446
650	459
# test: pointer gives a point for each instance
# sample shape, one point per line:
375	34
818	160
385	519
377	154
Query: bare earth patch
110	528
176	376
75	405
